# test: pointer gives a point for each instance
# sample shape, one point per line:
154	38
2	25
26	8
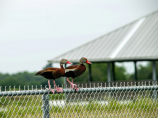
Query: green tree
99	73
145	72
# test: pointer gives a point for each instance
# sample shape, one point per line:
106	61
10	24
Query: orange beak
88	62
68	62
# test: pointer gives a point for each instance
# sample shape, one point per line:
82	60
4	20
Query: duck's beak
68	62
88	62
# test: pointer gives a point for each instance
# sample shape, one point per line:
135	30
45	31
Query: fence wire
126	100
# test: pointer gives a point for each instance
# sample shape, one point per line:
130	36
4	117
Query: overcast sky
34	31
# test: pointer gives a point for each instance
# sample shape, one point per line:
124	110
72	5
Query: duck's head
65	61
84	60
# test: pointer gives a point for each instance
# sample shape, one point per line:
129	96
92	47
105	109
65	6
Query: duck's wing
47	70
71	68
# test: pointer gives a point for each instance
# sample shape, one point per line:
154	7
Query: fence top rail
97	89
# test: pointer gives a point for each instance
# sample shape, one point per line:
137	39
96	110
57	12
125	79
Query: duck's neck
61	66
81	64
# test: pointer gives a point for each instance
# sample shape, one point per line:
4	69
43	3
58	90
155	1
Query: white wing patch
67	70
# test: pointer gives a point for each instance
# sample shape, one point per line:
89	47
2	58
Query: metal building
136	41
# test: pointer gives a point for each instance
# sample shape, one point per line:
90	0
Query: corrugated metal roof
135	41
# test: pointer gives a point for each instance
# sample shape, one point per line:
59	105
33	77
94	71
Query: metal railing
97	101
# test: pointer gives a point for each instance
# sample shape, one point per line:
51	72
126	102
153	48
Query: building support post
65	84
51	65
154	79
113	71
109	73
154	71
90	73
109	79
135	71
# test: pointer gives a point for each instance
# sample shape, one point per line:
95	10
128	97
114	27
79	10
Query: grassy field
31	106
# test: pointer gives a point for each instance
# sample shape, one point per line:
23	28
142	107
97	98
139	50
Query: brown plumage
48	73
54	73
75	71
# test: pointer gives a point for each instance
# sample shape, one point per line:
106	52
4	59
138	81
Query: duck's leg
73	86
59	89
76	88
50	87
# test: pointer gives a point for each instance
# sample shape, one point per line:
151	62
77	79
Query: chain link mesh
126	100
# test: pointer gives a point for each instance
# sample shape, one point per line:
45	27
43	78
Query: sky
34	31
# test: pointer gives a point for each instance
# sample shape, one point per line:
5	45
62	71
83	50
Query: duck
74	71
54	73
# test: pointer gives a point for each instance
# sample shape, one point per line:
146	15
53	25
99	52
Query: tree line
99	74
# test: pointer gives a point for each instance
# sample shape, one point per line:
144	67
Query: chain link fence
112	100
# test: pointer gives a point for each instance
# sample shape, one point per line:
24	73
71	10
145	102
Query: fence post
45	99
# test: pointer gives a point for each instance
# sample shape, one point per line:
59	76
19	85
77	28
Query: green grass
56	96
141	107
31	106
20	106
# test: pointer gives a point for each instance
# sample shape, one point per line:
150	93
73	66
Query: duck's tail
38	73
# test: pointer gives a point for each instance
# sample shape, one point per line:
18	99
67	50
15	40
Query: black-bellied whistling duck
54	73
75	71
